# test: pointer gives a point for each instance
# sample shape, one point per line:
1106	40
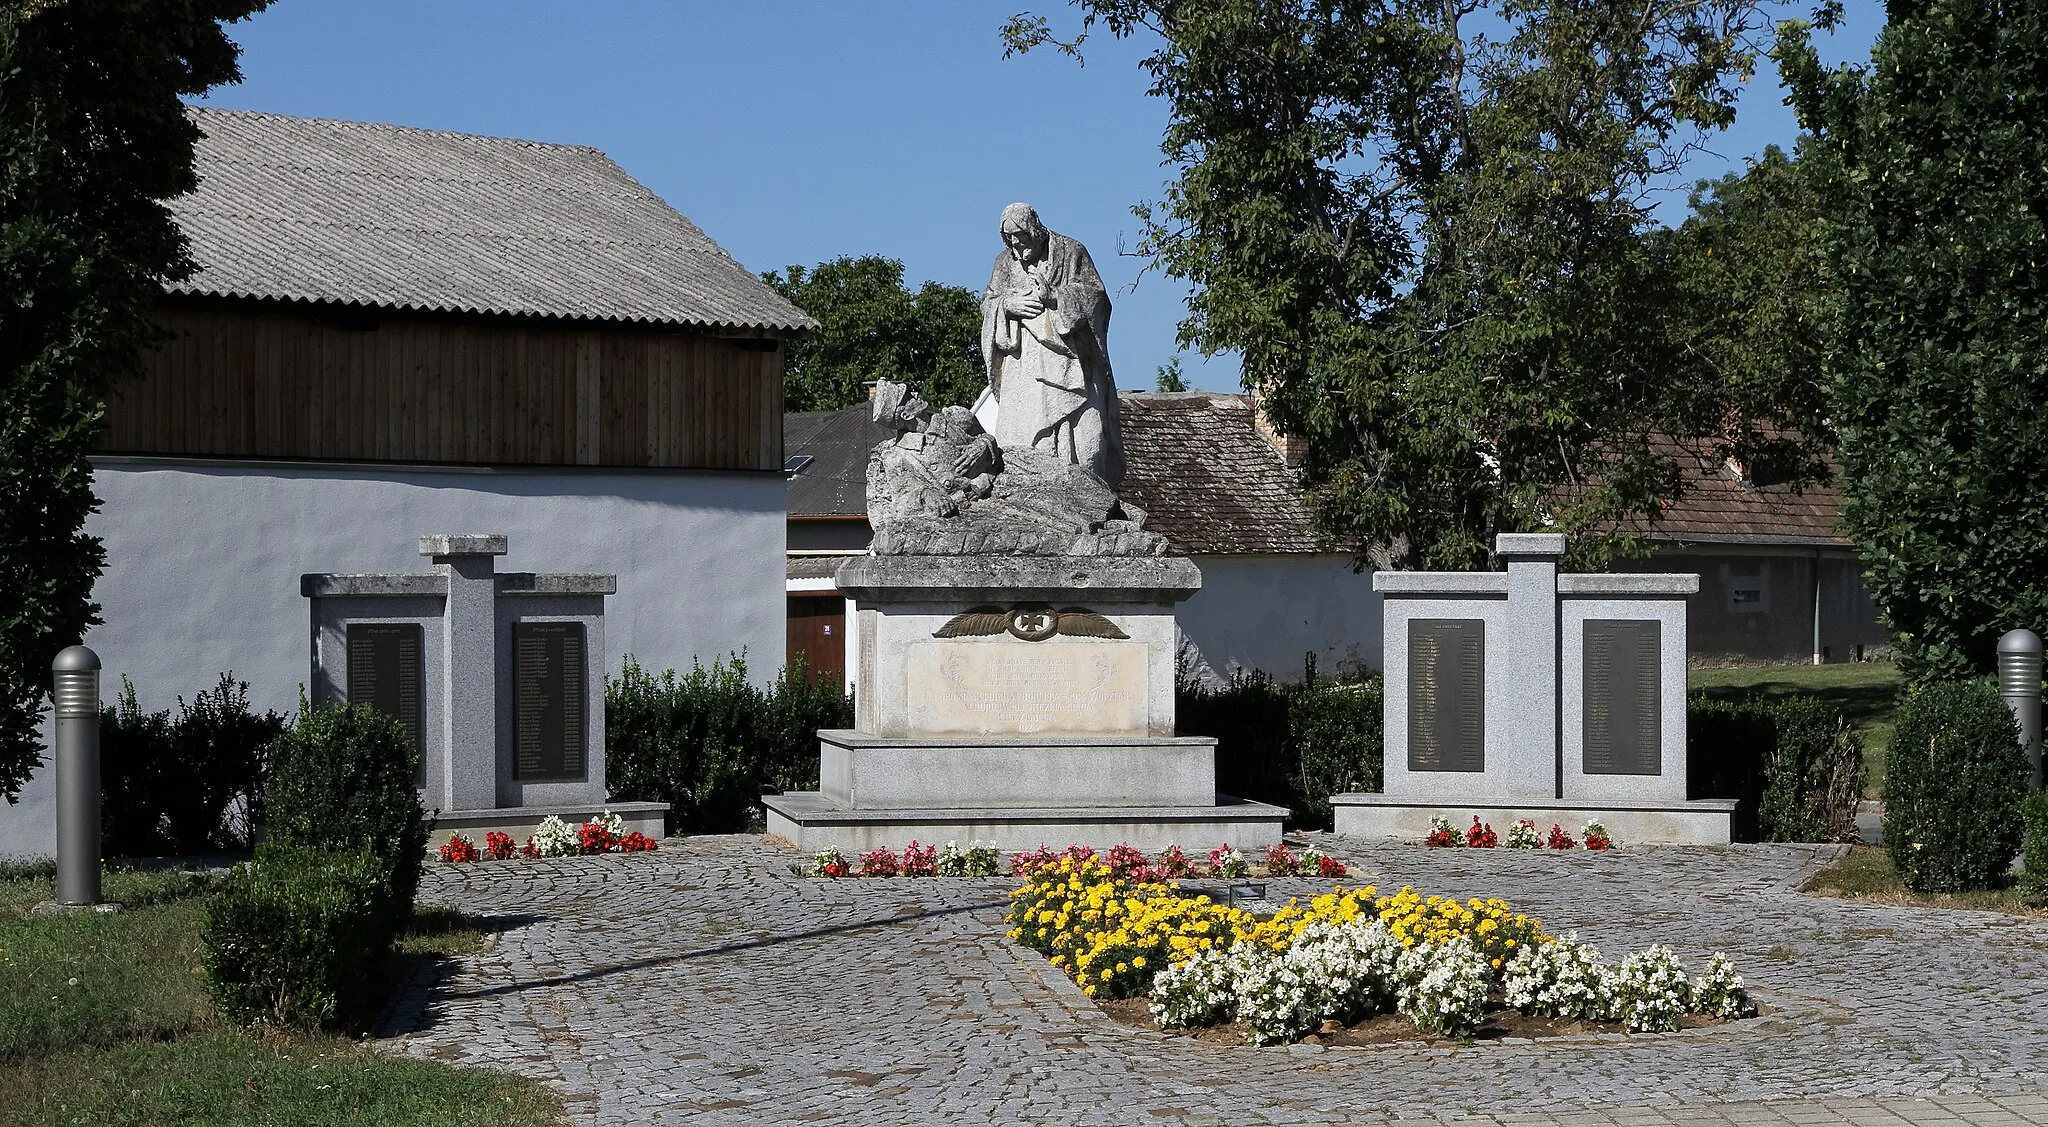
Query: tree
1170	377
1937	375
871	327
93	139
1424	227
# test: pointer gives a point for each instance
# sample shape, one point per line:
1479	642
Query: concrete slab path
703	984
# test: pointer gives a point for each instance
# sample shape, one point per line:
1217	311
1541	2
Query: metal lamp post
76	684
2019	683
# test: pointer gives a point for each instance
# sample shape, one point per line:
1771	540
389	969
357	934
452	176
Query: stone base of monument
813	822
520	822
1022	700
1629	821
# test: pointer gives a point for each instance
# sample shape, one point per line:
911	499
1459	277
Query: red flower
1282	861
591	837
636	842
1331	867
498	846
1481	836
878	863
920	860
1560	839
458	849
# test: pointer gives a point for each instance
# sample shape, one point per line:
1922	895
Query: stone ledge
812	822
1154	579
1594	583
562	583
1441	582
858	772
1707	821
399	583
646	817
463	544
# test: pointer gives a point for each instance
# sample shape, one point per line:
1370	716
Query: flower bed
1521	835
1126	862
552	838
1348	959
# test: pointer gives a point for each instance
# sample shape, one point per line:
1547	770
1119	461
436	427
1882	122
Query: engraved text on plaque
1446	694
549	675
1623	689
384	670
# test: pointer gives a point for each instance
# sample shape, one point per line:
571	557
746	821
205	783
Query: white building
397	332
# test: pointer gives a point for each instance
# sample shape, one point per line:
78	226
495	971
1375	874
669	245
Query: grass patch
1867	874
1867	692
105	1019
230	1078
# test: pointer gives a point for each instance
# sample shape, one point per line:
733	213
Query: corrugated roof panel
301	209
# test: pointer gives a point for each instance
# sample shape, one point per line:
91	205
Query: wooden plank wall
269	384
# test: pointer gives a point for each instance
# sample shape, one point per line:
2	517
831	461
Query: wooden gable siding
257	383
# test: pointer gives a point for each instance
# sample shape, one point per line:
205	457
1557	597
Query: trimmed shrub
1954	781
184	786
2034	814
292	938
710	743
1292	745
342	780
1814	777
1794	766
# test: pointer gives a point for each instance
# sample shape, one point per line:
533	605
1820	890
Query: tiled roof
1213	484
1719	507
1195	462
834	482
300	209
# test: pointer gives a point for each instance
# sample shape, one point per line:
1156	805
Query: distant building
1779	582
1772	561
398	331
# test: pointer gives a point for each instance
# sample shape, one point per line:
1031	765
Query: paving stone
703	984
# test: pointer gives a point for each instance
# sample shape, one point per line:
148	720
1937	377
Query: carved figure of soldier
940	461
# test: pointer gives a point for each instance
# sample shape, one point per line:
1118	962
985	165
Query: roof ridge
386	127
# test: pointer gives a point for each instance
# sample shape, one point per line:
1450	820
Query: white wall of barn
1268	612
204	560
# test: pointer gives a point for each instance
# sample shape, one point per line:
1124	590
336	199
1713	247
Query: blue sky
794	131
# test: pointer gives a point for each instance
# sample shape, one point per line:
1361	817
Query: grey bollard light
76	690
2019	683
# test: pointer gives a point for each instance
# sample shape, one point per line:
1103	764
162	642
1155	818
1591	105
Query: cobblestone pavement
703	984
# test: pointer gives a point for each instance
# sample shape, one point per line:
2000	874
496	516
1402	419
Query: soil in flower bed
1388	1029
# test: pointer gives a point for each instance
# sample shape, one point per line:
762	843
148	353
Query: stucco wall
203	566
1268	612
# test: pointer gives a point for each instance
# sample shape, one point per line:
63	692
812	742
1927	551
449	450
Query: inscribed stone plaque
1012	688
1623	691
549	676
1446	694
384	670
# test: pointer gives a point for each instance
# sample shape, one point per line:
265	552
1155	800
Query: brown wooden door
817	629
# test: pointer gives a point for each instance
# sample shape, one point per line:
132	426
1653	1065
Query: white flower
1564	978
1200	991
1653	990
1443	986
1718	990
554	837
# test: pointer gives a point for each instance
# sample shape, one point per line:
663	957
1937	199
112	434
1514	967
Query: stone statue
1045	337
939	461
944	487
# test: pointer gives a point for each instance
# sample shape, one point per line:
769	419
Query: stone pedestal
1026	700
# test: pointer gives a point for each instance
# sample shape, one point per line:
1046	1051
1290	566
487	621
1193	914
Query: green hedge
1292	745
2034	813
345	779
710	743
1794	766
193	784
1954	780
293	938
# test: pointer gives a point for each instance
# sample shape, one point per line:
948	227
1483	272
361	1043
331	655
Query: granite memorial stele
1015	654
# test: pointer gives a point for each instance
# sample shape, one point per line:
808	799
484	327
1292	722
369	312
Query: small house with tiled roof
1779	581
1217	487
395	332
